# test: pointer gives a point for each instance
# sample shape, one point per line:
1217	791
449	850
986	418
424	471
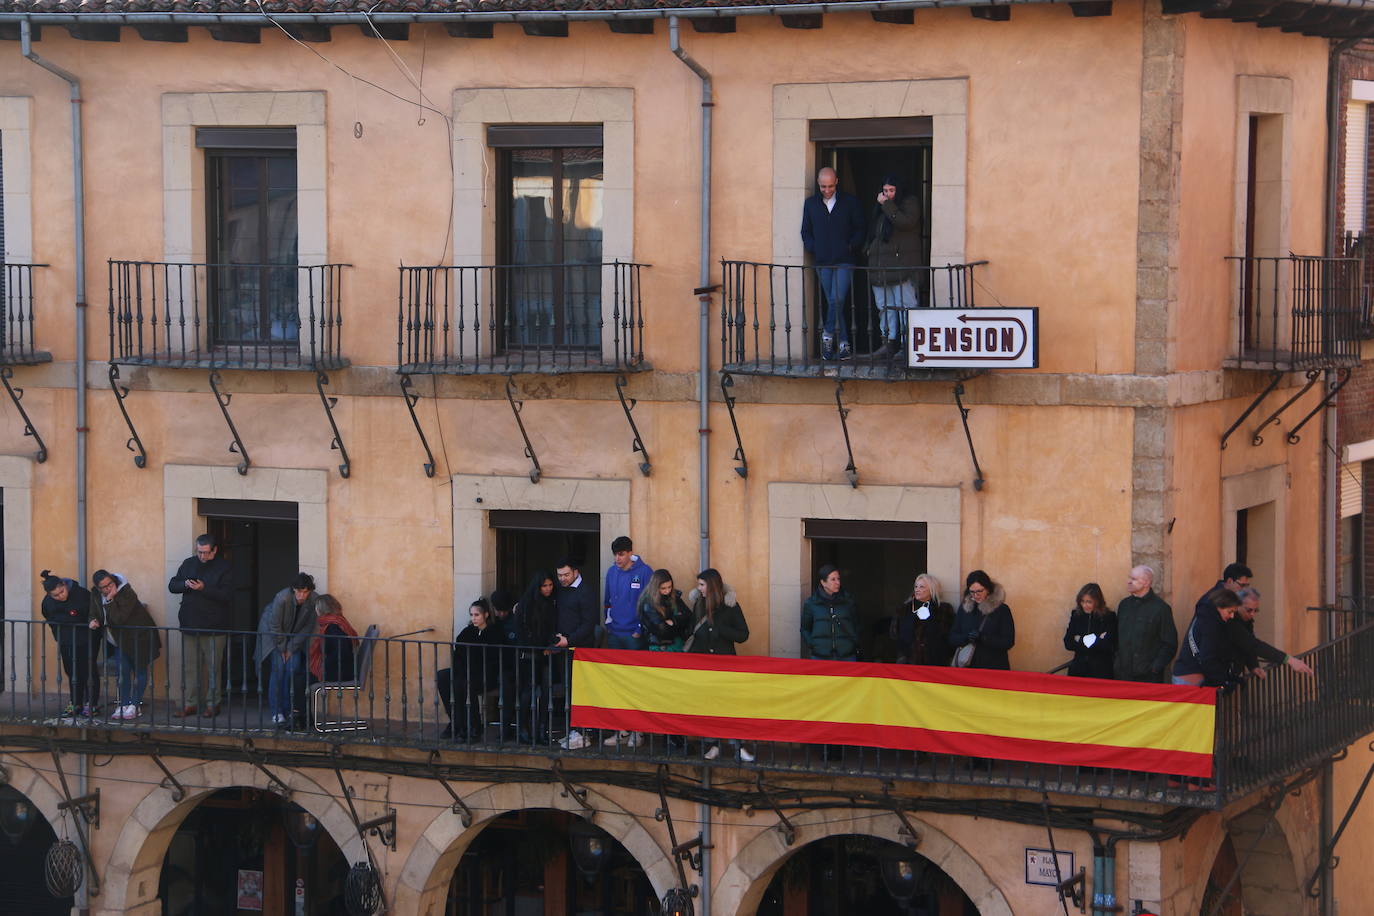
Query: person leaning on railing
920	628
984	622
291	622
535	621
67	609
1205	659
471	673
1247	649
1091	634
719	626
129	633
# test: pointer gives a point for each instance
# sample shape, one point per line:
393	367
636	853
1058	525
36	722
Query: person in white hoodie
130	634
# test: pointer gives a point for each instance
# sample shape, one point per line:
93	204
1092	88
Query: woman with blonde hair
921	625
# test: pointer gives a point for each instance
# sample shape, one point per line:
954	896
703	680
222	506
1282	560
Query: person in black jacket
828	620
719	627
472	672
1091	634
666	619
1247	649
536	616
985	622
920	628
832	230
578	613
205	585
67	609
1205	658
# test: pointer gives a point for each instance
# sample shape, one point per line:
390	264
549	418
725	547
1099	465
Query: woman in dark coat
719	626
473	671
663	615
921	625
829	627
130	634
1091	635
536	619
331	650
985	622
67	609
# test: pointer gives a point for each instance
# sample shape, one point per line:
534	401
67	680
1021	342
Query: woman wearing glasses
983	629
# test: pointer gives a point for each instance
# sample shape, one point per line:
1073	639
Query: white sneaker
745	754
278	718
126	712
573	742
712	752
623	739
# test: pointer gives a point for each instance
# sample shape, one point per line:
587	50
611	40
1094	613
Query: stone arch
132	871
42	794
425	878
741	887
1270	883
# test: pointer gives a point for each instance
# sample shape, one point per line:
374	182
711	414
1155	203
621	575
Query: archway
741	889
423	886
25	838
134	871
250	849
862	874
549	862
1254	870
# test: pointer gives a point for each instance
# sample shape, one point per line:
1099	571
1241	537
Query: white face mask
923	612
1089	640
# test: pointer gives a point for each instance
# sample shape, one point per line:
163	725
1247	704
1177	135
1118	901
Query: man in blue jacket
832	230
626	580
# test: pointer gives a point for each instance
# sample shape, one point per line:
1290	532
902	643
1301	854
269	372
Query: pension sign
973	338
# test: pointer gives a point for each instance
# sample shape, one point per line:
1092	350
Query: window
251	235
549	226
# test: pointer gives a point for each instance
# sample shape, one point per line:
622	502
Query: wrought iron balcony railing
514	700
773	317
17	300
226	316
1298	312
504	319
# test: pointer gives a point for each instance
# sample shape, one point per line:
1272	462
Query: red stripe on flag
1024	681
1029	750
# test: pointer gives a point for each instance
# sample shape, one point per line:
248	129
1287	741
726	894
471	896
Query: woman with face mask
921	625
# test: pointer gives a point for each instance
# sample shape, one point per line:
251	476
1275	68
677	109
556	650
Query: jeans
201	650
133	679
286	686
892	302
835	287
626	641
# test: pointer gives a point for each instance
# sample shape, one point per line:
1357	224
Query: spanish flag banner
1009	715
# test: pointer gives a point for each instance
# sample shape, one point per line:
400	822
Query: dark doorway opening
244	850
25	838
529	541
548	863
844	874
862	151
878	561
261	541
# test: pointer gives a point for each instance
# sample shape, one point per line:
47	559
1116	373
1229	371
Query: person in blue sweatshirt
626	580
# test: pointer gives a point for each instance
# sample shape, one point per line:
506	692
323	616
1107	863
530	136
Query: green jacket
902	249
829	626
1146	638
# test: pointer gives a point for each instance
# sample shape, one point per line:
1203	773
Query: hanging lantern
590	848
63	869
16	817
677	902
362	890
902	870
302	827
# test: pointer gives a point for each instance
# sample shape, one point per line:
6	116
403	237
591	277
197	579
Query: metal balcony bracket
17	395
383	827
222	399
628	405
572	791
913	837
689	851
978	480
412	397
1328	860
250	754
134	444
1063	887
1274	379
1071	890
785	827
1312	376
170	782
85	814
459	807
851	473
727	381
515	407
1343	376
322	379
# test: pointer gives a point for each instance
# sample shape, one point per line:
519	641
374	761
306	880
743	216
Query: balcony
1298	313
226	316
506	319
16	298
772	317
1266	731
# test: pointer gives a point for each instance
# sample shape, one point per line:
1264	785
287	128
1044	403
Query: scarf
323	623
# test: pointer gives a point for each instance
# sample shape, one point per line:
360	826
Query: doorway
530	542
1255	547
878	561
261	541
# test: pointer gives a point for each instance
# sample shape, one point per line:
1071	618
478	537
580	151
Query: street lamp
302	827
677	902
16	817
589	848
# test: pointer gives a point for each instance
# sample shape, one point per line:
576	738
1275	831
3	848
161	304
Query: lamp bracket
178	790
88	807
384	828
785	827
913	838
1072	889
572	791
459	807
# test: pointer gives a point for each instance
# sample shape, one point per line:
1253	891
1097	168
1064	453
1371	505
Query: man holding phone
203	582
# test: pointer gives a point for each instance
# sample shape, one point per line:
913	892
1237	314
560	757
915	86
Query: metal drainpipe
703	403
704	281
79	254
